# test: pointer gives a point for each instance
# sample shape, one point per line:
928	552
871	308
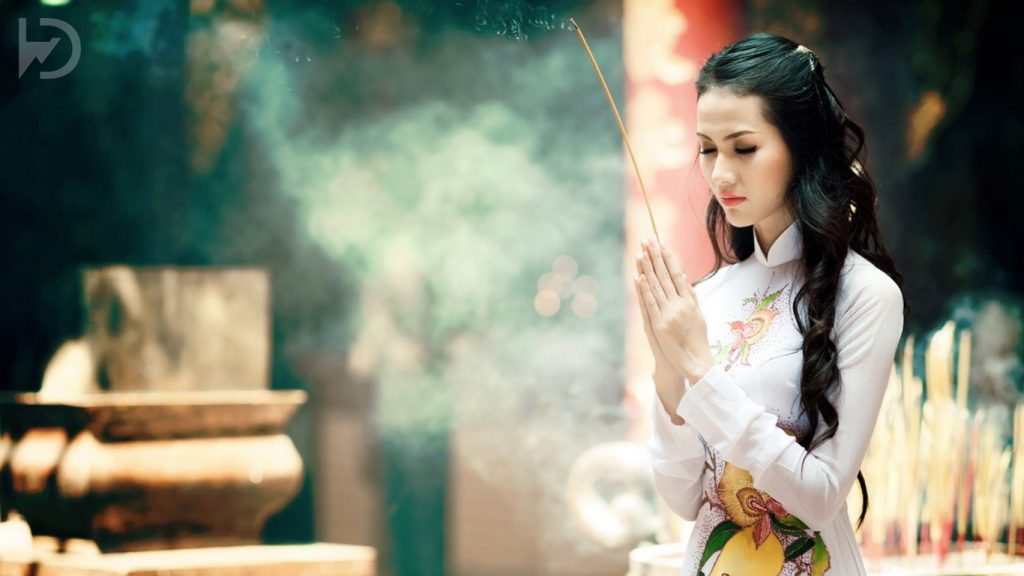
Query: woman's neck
769	230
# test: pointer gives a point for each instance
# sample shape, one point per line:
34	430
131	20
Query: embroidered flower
748	332
755	326
746	505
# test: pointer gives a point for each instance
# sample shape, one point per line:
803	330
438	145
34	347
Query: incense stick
912	410
618	119
962	387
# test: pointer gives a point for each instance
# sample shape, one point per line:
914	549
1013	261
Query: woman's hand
672	315
668	381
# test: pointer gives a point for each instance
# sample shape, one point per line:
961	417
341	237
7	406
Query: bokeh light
547	303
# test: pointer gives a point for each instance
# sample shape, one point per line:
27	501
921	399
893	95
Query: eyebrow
730	136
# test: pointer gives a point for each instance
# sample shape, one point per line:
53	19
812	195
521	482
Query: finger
653	309
647	270
675	271
643	306
657	257
652	340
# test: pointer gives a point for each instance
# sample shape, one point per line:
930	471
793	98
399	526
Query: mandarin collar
786	248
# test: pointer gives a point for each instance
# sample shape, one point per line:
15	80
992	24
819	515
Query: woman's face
745	162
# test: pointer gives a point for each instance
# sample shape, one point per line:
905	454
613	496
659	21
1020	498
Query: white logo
30	51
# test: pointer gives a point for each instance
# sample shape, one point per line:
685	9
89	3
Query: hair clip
810	59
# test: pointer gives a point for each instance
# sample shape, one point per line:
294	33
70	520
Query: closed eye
738	150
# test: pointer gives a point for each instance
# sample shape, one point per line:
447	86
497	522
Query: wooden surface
293	560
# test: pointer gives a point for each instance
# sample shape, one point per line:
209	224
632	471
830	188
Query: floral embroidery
746	505
748	332
758	535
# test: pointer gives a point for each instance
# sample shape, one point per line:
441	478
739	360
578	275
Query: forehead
720	112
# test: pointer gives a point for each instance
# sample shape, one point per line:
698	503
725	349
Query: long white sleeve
678	457
867	331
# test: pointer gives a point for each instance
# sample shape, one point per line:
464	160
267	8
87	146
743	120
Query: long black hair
830	193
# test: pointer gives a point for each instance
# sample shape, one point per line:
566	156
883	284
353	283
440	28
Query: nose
723	176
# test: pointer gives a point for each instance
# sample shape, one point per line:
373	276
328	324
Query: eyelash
738	150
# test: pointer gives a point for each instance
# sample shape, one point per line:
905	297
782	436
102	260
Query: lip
730	200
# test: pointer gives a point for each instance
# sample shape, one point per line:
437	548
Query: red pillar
665	43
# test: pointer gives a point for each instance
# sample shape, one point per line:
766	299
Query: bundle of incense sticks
933	465
991	495
939	426
885	471
892	465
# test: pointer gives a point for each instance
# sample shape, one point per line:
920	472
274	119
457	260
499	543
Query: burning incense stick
912	389
618	119
940	417
963	380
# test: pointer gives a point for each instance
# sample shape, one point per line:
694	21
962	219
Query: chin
736	221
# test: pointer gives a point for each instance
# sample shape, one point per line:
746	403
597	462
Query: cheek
706	165
773	171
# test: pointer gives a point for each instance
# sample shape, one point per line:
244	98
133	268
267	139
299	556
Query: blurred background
440	196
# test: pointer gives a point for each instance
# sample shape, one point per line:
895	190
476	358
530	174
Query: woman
770	371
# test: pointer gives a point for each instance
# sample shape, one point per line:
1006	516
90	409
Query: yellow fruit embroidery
742	556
